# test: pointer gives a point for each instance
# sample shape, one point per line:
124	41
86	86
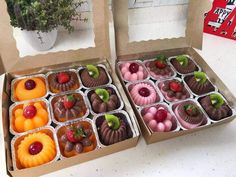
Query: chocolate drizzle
191	67
213	112
109	136
89	81
197	87
158	71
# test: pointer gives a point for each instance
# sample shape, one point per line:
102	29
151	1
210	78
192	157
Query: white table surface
210	152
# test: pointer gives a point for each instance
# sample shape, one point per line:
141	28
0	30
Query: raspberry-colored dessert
143	94
184	65
159	68
199	84
104	100
132	71
159	118
173	90
63	81
76	139
215	107
189	114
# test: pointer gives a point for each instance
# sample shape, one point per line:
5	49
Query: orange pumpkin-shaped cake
29	116
36	149
27	89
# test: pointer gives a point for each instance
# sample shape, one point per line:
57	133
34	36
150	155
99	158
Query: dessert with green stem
184	65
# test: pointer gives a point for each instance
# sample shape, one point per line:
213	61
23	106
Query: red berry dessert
159	68
143	93
184	65
215	107
199	84
173	90
63	81
189	114
68	107
93	76
76	139
133	71
159	119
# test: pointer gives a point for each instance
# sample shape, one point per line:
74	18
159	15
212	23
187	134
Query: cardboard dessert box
14	66
128	50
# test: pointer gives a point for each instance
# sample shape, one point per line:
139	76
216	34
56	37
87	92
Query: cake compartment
57	106
148	114
33	120
132	73
144	100
68	81
34	87
87	142
122	115
16	141
108	104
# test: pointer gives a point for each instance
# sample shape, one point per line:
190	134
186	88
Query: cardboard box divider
127	51
14	66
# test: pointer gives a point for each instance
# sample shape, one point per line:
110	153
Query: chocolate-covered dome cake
104	100
215	107
112	130
184	65
199	84
63	81
69	107
93	76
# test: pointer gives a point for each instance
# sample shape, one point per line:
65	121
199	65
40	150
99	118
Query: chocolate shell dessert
189	115
199	84
104	100
113	128
63	81
76	139
215	107
173	90
93	76
159	68
184	65
68	107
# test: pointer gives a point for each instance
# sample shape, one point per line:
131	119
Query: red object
69	102
220	20
160	64
144	92
133	68
74	135
29	112
30	84
161	115
175	86
63	78
35	148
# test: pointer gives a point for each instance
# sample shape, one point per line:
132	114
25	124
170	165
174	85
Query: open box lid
189	32
13	61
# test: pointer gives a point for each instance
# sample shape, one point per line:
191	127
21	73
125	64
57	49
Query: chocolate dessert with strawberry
68	107
63	81
173	90
76	139
183	64
159	68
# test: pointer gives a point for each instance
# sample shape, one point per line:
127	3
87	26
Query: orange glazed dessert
27	89
29	116
36	149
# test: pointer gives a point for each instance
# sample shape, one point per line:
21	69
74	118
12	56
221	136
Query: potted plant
39	19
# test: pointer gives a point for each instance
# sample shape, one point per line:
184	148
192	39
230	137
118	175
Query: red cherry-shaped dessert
69	101
161	115
30	84
29	111
133	68
63	78
160	64
35	148
75	135
144	92
175	86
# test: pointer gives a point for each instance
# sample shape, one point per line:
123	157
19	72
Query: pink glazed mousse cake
159	119
173	90
133	71
143	93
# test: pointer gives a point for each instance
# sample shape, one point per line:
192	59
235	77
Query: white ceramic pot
40	41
